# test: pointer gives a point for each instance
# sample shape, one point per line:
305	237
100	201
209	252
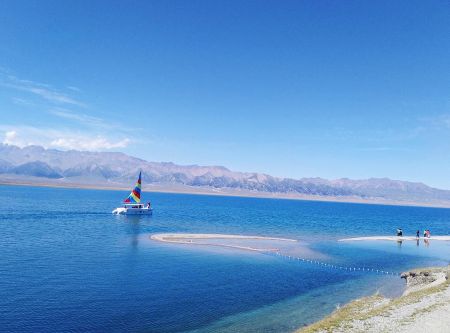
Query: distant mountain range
37	165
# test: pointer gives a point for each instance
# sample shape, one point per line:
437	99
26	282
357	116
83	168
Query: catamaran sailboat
132	204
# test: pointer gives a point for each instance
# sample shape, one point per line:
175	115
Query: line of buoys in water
325	264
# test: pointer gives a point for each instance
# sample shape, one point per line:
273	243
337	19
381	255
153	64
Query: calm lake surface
68	265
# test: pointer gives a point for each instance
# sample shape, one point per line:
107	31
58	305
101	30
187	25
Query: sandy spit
202	239
395	238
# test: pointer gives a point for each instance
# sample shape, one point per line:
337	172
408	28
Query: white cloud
21	101
52	96
62	139
11	138
42	90
76	89
92	122
79	130
56	102
80	117
97	143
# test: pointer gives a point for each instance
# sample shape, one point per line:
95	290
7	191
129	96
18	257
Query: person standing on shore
417	233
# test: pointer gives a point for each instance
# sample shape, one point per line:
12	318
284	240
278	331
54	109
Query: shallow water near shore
67	264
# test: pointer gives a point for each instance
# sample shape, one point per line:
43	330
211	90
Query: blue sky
332	89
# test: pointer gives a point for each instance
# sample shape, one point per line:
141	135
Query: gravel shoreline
424	306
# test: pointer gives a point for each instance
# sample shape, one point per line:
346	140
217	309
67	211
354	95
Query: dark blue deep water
68	265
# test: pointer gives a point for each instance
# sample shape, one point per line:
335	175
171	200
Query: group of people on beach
426	233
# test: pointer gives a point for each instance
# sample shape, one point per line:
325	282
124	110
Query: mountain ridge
119	169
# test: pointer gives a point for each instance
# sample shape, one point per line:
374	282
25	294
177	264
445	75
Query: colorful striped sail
135	195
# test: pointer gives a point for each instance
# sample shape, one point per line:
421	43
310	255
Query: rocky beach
424	306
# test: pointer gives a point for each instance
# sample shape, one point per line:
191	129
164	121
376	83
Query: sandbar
202	239
395	238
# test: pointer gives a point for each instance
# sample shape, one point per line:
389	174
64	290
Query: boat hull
132	211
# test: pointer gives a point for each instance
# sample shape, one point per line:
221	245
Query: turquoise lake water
68	265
